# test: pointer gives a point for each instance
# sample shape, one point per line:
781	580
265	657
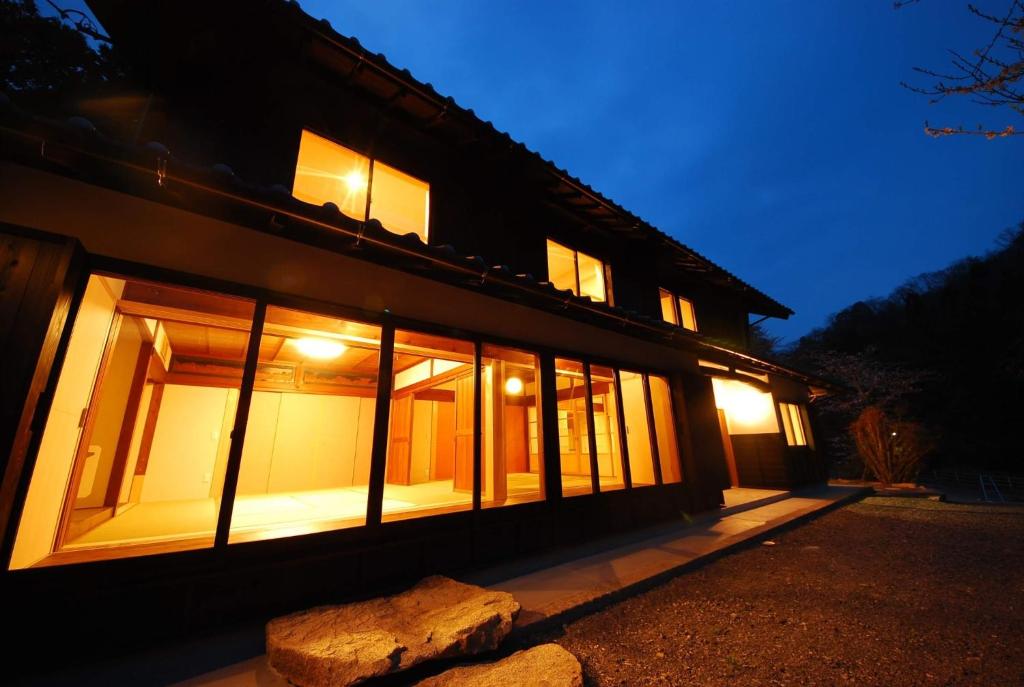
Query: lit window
361	188
687	316
794	421
665	430
638	429
328	172
591	277
668	306
677	310
573	437
511	448
135	448
606	428
578	272
306	456
748	410
430	444
399	201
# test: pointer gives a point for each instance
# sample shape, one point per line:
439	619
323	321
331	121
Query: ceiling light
513	386
321	349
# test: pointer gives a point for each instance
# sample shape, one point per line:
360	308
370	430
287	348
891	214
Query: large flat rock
547	665
333	646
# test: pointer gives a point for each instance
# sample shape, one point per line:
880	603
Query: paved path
551	588
575	585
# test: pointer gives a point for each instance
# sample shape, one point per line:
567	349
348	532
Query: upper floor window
361	187
677	310
575	271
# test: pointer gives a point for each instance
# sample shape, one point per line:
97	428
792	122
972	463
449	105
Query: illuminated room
135	449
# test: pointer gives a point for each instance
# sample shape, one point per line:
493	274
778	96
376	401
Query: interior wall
298	442
186	442
52	473
117	383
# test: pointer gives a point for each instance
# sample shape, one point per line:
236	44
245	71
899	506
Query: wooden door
443	464
400	450
464	433
38	277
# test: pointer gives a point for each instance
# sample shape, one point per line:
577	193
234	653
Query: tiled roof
604	212
688	258
75	148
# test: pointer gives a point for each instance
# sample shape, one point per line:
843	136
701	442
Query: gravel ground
887	591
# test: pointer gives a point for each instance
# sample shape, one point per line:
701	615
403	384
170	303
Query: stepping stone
547	665
334	646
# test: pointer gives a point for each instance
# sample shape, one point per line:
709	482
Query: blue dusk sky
771	136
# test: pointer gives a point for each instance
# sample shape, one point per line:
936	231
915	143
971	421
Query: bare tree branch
80	20
992	76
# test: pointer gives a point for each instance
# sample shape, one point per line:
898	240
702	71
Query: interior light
744	404
513	386
355	180
321	349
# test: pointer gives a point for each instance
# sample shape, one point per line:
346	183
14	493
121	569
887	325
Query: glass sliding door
573	436
606	428
134	451
513	470
431	437
306	456
638	430
665	430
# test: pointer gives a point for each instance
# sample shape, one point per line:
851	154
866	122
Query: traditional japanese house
286	325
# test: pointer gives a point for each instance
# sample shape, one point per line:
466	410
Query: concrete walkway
557	586
551	588
571	588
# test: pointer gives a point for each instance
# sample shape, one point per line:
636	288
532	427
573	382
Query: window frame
677	309
576	291
262	299
371	161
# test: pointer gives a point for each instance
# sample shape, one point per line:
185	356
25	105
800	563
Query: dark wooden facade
238	88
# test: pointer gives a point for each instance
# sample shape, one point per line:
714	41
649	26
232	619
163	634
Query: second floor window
575	271
677	310
361	187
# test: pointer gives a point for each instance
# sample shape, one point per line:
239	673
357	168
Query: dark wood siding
38	277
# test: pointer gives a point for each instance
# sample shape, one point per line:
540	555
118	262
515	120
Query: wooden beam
164	312
128	422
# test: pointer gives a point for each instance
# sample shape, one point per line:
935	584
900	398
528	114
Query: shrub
891	449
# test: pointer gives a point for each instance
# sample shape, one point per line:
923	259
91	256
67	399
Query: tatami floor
296	511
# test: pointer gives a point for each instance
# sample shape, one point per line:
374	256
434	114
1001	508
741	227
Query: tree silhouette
945	349
43	55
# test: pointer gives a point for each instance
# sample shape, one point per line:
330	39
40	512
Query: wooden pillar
381	420
497	476
234	466
548	421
